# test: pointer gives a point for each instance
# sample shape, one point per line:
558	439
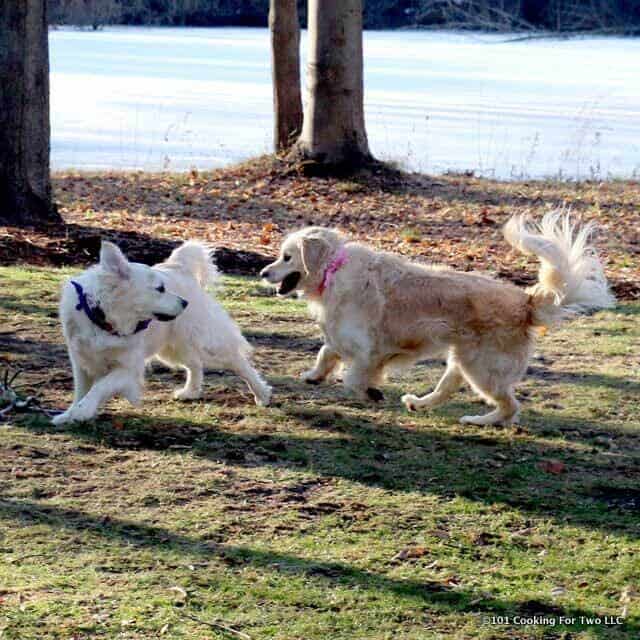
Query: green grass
319	517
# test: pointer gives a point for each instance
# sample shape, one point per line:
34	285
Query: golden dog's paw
310	377
409	401
184	395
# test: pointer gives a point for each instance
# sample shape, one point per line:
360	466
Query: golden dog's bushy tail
197	258
571	278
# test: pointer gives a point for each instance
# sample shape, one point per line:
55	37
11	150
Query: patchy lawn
455	220
319	517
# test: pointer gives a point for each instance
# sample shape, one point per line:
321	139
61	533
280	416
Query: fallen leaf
180	594
409	553
556	467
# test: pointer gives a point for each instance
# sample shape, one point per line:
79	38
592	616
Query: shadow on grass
438	596
398	457
284	341
77	244
13	304
586	379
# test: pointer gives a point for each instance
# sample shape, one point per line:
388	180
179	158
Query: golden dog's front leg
360	378
326	362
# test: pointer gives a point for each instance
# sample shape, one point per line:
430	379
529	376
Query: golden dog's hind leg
449	384
492	372
506	412
326	362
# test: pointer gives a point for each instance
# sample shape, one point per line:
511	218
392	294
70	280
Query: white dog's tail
197	258
571	278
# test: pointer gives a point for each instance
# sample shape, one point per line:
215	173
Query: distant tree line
621	16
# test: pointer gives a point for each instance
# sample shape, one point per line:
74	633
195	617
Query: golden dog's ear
313	251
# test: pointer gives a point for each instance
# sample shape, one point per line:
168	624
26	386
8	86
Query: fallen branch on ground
217	625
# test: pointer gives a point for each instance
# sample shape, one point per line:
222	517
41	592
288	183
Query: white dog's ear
113	260
313	251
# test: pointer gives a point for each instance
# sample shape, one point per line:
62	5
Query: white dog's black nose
265	273
184	303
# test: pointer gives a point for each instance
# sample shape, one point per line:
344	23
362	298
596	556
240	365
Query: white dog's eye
160	289
286	257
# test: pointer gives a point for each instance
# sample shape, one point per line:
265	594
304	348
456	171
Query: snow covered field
173	98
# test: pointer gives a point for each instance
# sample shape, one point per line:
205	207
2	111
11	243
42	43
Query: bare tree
285	64
25	186
89	13
333	131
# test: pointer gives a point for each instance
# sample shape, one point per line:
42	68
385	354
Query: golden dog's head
304	255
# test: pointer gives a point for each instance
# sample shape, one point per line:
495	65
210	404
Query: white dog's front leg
260	389
326	362
118	381
81	381
193	386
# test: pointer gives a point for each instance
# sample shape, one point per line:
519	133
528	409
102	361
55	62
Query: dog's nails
375	394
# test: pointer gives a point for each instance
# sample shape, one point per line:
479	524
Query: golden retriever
379	311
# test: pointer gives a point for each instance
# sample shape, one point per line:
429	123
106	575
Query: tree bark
333	131
25	185
285	65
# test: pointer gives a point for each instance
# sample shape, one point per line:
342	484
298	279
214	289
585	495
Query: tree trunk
285	64
333	132
25	186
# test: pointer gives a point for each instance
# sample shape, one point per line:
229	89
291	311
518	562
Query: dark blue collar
96	314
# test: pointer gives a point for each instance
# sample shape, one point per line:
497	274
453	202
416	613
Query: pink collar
339	260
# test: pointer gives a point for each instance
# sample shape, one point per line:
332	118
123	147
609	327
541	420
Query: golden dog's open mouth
289	283
164	317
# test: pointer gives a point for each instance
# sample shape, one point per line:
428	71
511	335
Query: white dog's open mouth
289	283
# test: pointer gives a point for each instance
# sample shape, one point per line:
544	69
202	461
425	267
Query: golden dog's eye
286	257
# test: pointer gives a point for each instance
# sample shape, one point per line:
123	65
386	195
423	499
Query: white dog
379	311
119	314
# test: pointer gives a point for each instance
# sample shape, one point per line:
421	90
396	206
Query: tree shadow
435	595
284	341
402	457
584	379
75	244
13	304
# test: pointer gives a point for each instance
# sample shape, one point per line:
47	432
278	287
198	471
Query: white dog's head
304	255
129	292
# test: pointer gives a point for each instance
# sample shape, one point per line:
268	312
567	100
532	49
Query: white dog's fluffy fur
381	311
106	364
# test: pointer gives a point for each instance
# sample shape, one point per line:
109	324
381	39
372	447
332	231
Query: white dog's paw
183	395
310	377
409	401
73	414
61	418
264	398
